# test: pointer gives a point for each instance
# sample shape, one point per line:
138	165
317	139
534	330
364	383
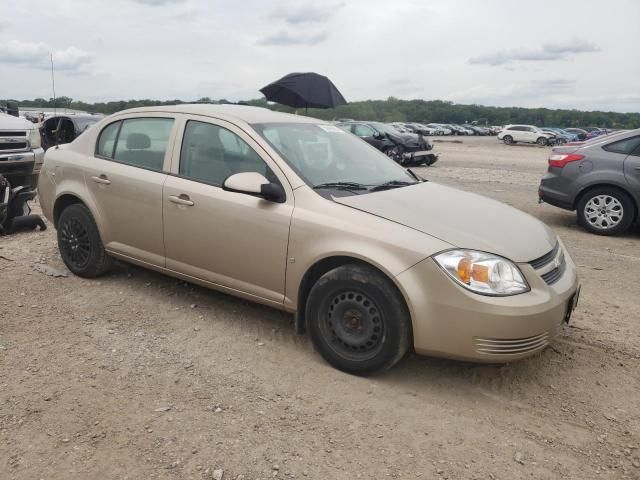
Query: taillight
560	160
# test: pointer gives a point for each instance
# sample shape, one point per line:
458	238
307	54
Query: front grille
13	133
515	346
540	262
13	146
550	266
554	275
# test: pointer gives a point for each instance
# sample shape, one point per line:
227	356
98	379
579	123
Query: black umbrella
304	90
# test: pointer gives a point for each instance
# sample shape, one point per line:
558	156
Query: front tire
357	320
606	211
80	244
507	139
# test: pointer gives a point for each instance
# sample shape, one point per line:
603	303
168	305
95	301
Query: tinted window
626	146
107	140
211	154
142	142
363	131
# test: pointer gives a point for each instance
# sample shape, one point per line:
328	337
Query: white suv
525	134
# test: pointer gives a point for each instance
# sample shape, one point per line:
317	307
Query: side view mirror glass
253	183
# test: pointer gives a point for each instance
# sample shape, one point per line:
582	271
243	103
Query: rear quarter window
107	140
625	147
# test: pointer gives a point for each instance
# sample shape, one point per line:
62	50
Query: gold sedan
295	213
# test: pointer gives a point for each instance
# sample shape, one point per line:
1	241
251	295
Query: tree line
390	110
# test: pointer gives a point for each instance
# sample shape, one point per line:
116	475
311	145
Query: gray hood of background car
465	220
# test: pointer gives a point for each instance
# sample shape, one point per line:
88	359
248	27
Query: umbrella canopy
308	90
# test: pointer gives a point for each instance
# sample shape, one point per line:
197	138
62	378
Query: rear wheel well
613	187
61	203
316	271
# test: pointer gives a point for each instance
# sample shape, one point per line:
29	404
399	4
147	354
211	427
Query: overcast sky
558	54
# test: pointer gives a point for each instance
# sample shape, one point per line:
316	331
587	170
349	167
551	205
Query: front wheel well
316	271
63	202
613	187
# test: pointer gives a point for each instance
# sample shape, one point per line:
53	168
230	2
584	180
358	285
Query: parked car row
435	129
553	136
406	147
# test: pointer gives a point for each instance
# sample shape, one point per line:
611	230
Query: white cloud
37	55
306	12
158	3
549	51
284	37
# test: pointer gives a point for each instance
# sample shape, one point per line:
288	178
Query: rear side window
625	147
142	142
107	140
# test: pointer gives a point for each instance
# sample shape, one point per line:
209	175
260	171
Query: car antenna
53	87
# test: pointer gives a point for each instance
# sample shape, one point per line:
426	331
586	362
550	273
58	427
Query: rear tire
508	140
357	320
606	211
80	244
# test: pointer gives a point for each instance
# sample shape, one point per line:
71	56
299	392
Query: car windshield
324	154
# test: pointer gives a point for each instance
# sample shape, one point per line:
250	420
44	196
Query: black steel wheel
357	319
353	326
75	246
79	242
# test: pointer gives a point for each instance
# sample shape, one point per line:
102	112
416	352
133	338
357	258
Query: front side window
142	142
211	153
625	147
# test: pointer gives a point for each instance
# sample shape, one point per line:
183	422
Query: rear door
125	178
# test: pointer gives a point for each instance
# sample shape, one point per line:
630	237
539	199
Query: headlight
34	138
482	272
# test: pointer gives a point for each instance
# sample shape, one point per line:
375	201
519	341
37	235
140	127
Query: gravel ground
137	375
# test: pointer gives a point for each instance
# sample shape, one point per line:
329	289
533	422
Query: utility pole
53	83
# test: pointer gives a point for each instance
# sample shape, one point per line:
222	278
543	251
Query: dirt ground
139	376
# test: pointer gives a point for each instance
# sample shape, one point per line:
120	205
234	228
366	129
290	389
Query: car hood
9	122
465	220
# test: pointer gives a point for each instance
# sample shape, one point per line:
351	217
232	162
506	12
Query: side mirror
253	183
378	135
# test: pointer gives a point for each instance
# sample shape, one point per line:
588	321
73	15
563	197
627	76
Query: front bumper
24	166
450	321
428	157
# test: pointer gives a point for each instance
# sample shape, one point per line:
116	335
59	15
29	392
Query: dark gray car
600	179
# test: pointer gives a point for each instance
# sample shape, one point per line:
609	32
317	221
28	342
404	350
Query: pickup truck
20	153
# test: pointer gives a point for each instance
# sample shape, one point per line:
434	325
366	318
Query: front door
231	239
125	177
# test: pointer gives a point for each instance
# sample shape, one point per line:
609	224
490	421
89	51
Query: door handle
181	200
102	179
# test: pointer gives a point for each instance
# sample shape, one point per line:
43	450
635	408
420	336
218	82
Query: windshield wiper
392	184
342	186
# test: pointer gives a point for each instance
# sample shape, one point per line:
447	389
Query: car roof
232	113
